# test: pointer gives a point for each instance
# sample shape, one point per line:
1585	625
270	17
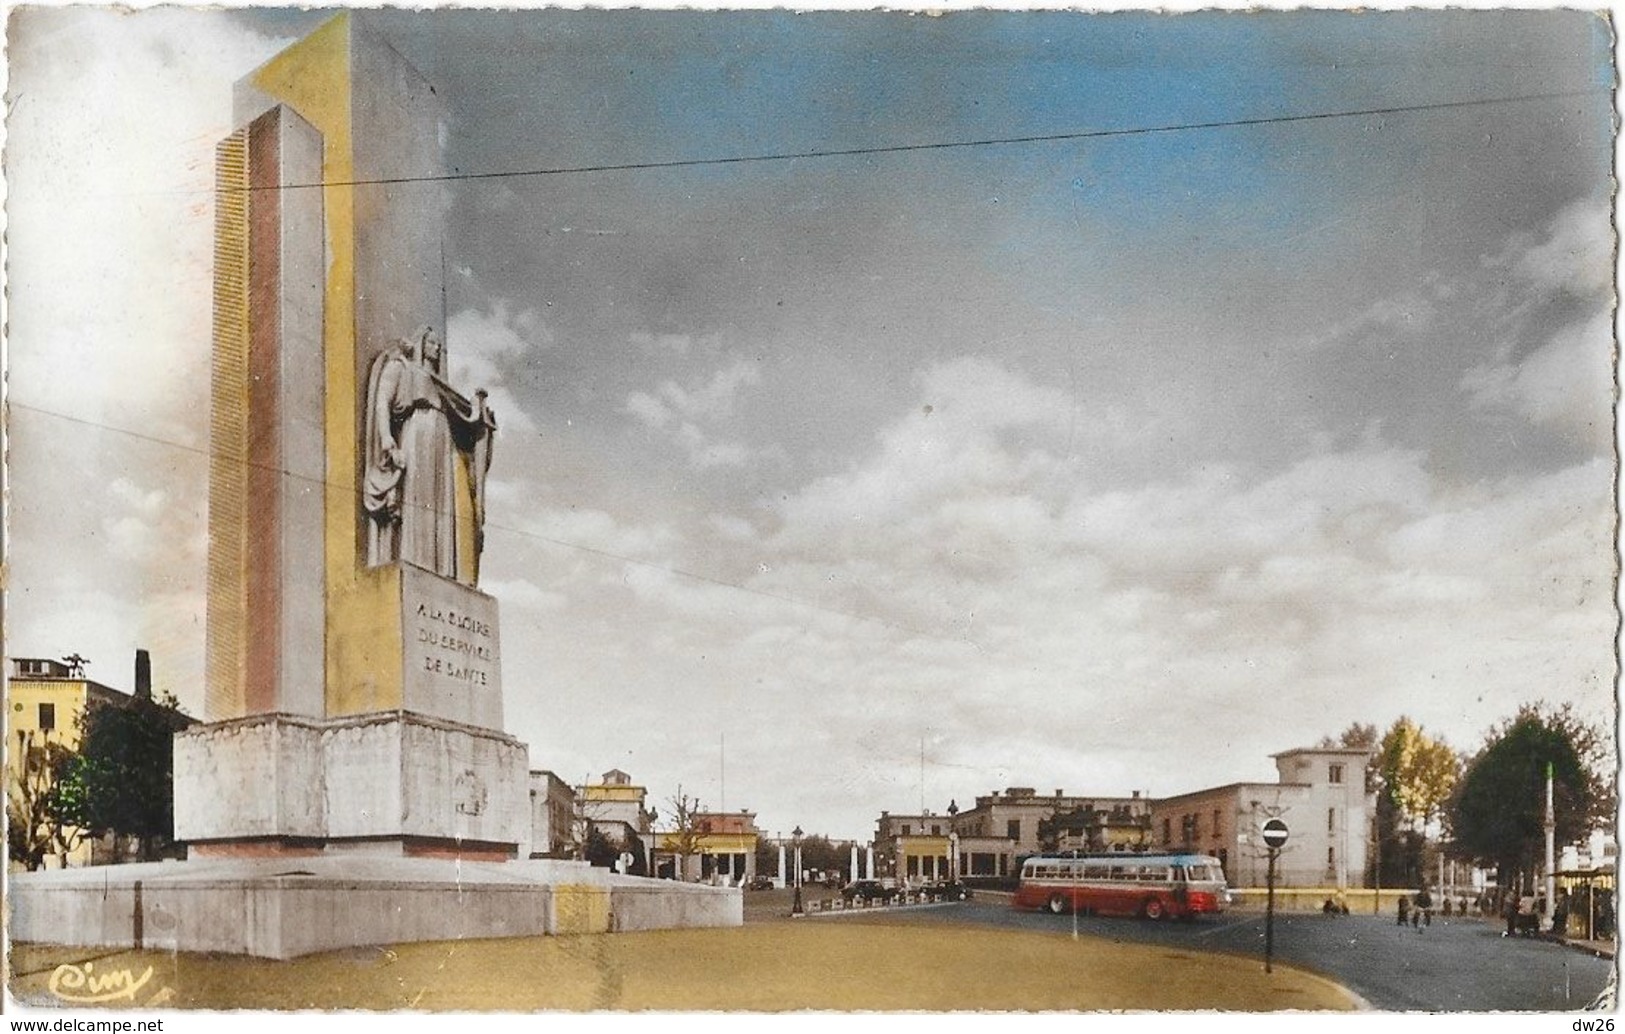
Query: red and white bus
1149	885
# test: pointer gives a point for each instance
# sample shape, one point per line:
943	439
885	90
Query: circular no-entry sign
1275	833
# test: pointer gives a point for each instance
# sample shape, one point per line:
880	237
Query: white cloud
1575	256
695	413
1565	383
648	409
524	594
601	532
481	345
86	162
979	432
146	504
1562	376
713	400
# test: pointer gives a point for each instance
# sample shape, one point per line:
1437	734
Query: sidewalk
1602	949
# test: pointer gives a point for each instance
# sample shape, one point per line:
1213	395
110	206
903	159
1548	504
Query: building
48	699
1003	827
617	808
552	812
1320	794
721	849
915	848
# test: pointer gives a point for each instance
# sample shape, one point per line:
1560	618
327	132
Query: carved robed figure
418	430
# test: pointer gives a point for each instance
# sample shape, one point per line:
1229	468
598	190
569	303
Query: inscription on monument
458	646
452	662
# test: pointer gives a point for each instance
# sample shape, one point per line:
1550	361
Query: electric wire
944	145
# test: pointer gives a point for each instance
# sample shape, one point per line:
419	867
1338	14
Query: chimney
143	675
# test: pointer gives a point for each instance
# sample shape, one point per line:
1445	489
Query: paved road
1459	966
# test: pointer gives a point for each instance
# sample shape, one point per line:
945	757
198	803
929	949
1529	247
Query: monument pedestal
394	782
282	908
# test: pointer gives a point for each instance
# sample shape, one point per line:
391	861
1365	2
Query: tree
683	839
1356	736
1411	777
823	854
599	850
767	856
1418	773
1498	811
33	793
632	844
122	779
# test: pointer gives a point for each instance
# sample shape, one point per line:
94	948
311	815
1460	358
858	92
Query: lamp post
795	841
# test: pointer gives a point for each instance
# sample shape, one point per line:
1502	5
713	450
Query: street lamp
795	841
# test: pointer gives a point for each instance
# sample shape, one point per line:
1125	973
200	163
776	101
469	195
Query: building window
1331	820
907	829
936	830
1331	857
1167	831
1334	773
47	717
1215	821
1012	829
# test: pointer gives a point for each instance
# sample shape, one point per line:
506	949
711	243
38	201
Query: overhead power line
522	533
945	145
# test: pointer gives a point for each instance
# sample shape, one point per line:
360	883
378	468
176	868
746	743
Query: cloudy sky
1114	462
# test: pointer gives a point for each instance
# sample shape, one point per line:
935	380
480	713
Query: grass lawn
808	964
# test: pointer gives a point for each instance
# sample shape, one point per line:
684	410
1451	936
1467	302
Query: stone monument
353	682
352	783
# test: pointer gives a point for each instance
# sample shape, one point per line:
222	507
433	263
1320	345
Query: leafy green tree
1355	736
819	852
600	850
1411	776
34	828
1498	811
767	856
1417	772
122	779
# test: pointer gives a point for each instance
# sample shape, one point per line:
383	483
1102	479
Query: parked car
869	890
948	890
760	883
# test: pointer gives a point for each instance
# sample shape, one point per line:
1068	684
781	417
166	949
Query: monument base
391	782
282	908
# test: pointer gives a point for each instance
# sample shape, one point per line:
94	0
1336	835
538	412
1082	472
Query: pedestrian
1447	908
1510	911
1404	909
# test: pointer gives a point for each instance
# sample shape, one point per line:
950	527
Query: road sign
1274	831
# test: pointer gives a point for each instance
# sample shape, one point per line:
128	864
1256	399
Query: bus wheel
1153	908
1057	904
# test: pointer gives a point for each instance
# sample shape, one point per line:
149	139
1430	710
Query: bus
1151	885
